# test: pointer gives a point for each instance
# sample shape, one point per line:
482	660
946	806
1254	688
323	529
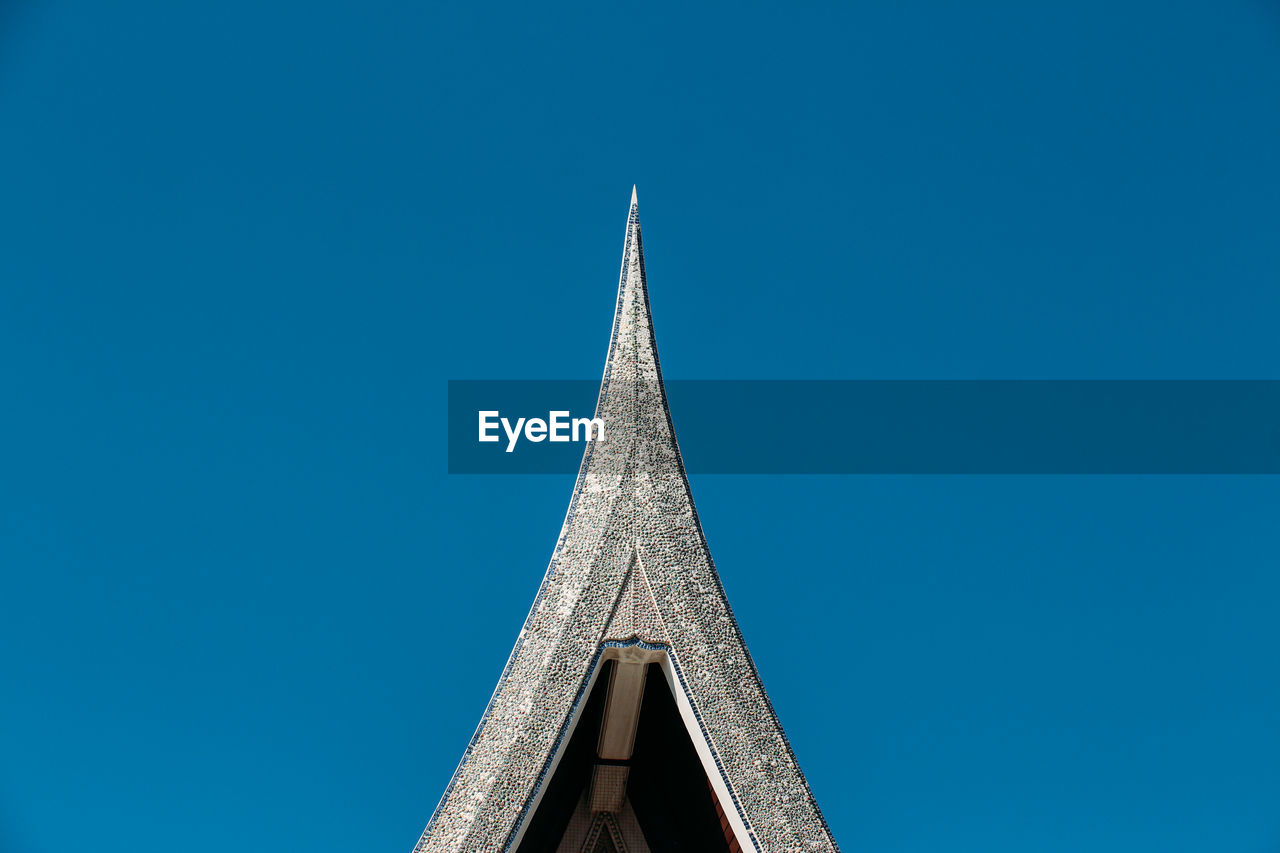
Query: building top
631	588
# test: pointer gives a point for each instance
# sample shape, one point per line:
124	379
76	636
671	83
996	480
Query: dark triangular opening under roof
667	787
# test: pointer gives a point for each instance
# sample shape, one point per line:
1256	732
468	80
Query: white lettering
513	435
588	423
486	424
559	426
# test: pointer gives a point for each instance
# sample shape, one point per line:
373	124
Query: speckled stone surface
631	564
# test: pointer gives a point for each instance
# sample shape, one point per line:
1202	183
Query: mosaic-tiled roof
631	566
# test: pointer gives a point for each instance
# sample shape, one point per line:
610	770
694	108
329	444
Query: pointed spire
631	573
632	400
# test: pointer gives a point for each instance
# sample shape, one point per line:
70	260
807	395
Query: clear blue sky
244	245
